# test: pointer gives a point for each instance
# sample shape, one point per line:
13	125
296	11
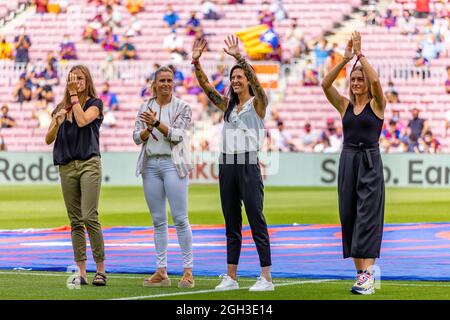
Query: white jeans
161	180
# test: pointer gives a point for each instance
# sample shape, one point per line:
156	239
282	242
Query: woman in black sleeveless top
360	178
75	129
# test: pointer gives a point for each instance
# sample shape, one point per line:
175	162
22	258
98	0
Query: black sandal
83	281
99	279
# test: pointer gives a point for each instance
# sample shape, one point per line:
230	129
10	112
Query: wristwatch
156	124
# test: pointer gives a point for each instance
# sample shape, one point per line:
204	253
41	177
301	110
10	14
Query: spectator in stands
192	87
43	114
178	77
110	41
447	122
420	60
422	8
127	49
111	105
22	92
92	30
109	98
2	143
447	82
209	10
45	76
321	54
112	17
429	143
278	10
6	121
52	59
417	126
171	17
390	20
135	6
282	139
22	46
334	58
372	16
146	91
391	93
430	49
407	24
109	68
174	45
134	27
412	144
193	24
266	16
41	6
309	139
390	140
218	79
67	49
295	41
156	66
6	50
310	75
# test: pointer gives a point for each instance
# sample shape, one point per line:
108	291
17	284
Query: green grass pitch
43	207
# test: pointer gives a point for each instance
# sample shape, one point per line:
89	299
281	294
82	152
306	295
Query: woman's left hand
72	84
233	47
356	38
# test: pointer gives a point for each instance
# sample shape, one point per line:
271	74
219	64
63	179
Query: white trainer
227	283
262	285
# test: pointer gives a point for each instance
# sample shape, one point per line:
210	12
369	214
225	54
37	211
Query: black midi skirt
361	200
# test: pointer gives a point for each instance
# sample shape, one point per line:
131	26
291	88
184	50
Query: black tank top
75	143
362	128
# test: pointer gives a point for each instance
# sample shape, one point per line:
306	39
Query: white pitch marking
212	290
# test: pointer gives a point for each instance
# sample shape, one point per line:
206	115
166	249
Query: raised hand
72	83
232	46
197	49
356	38
348	50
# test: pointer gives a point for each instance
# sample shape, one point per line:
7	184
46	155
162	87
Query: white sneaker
365	284
227	283
262	285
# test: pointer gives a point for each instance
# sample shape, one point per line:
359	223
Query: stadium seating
298	104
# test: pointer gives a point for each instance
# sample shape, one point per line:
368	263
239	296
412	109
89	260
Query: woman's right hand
59	116
349	51
197	49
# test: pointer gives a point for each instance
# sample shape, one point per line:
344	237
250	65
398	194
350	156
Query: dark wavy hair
233	98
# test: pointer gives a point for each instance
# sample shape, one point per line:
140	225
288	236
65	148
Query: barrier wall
278	169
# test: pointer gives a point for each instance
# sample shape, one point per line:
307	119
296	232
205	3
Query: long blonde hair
366	80
88	92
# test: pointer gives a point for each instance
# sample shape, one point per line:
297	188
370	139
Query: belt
365	149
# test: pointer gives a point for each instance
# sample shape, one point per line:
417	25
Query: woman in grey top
239	172
161	128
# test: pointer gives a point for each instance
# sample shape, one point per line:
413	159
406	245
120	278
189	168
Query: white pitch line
212	290
111	276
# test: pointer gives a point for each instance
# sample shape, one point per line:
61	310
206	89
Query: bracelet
156	124
195	62
360	55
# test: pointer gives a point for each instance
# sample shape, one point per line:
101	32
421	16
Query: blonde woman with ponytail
161	128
